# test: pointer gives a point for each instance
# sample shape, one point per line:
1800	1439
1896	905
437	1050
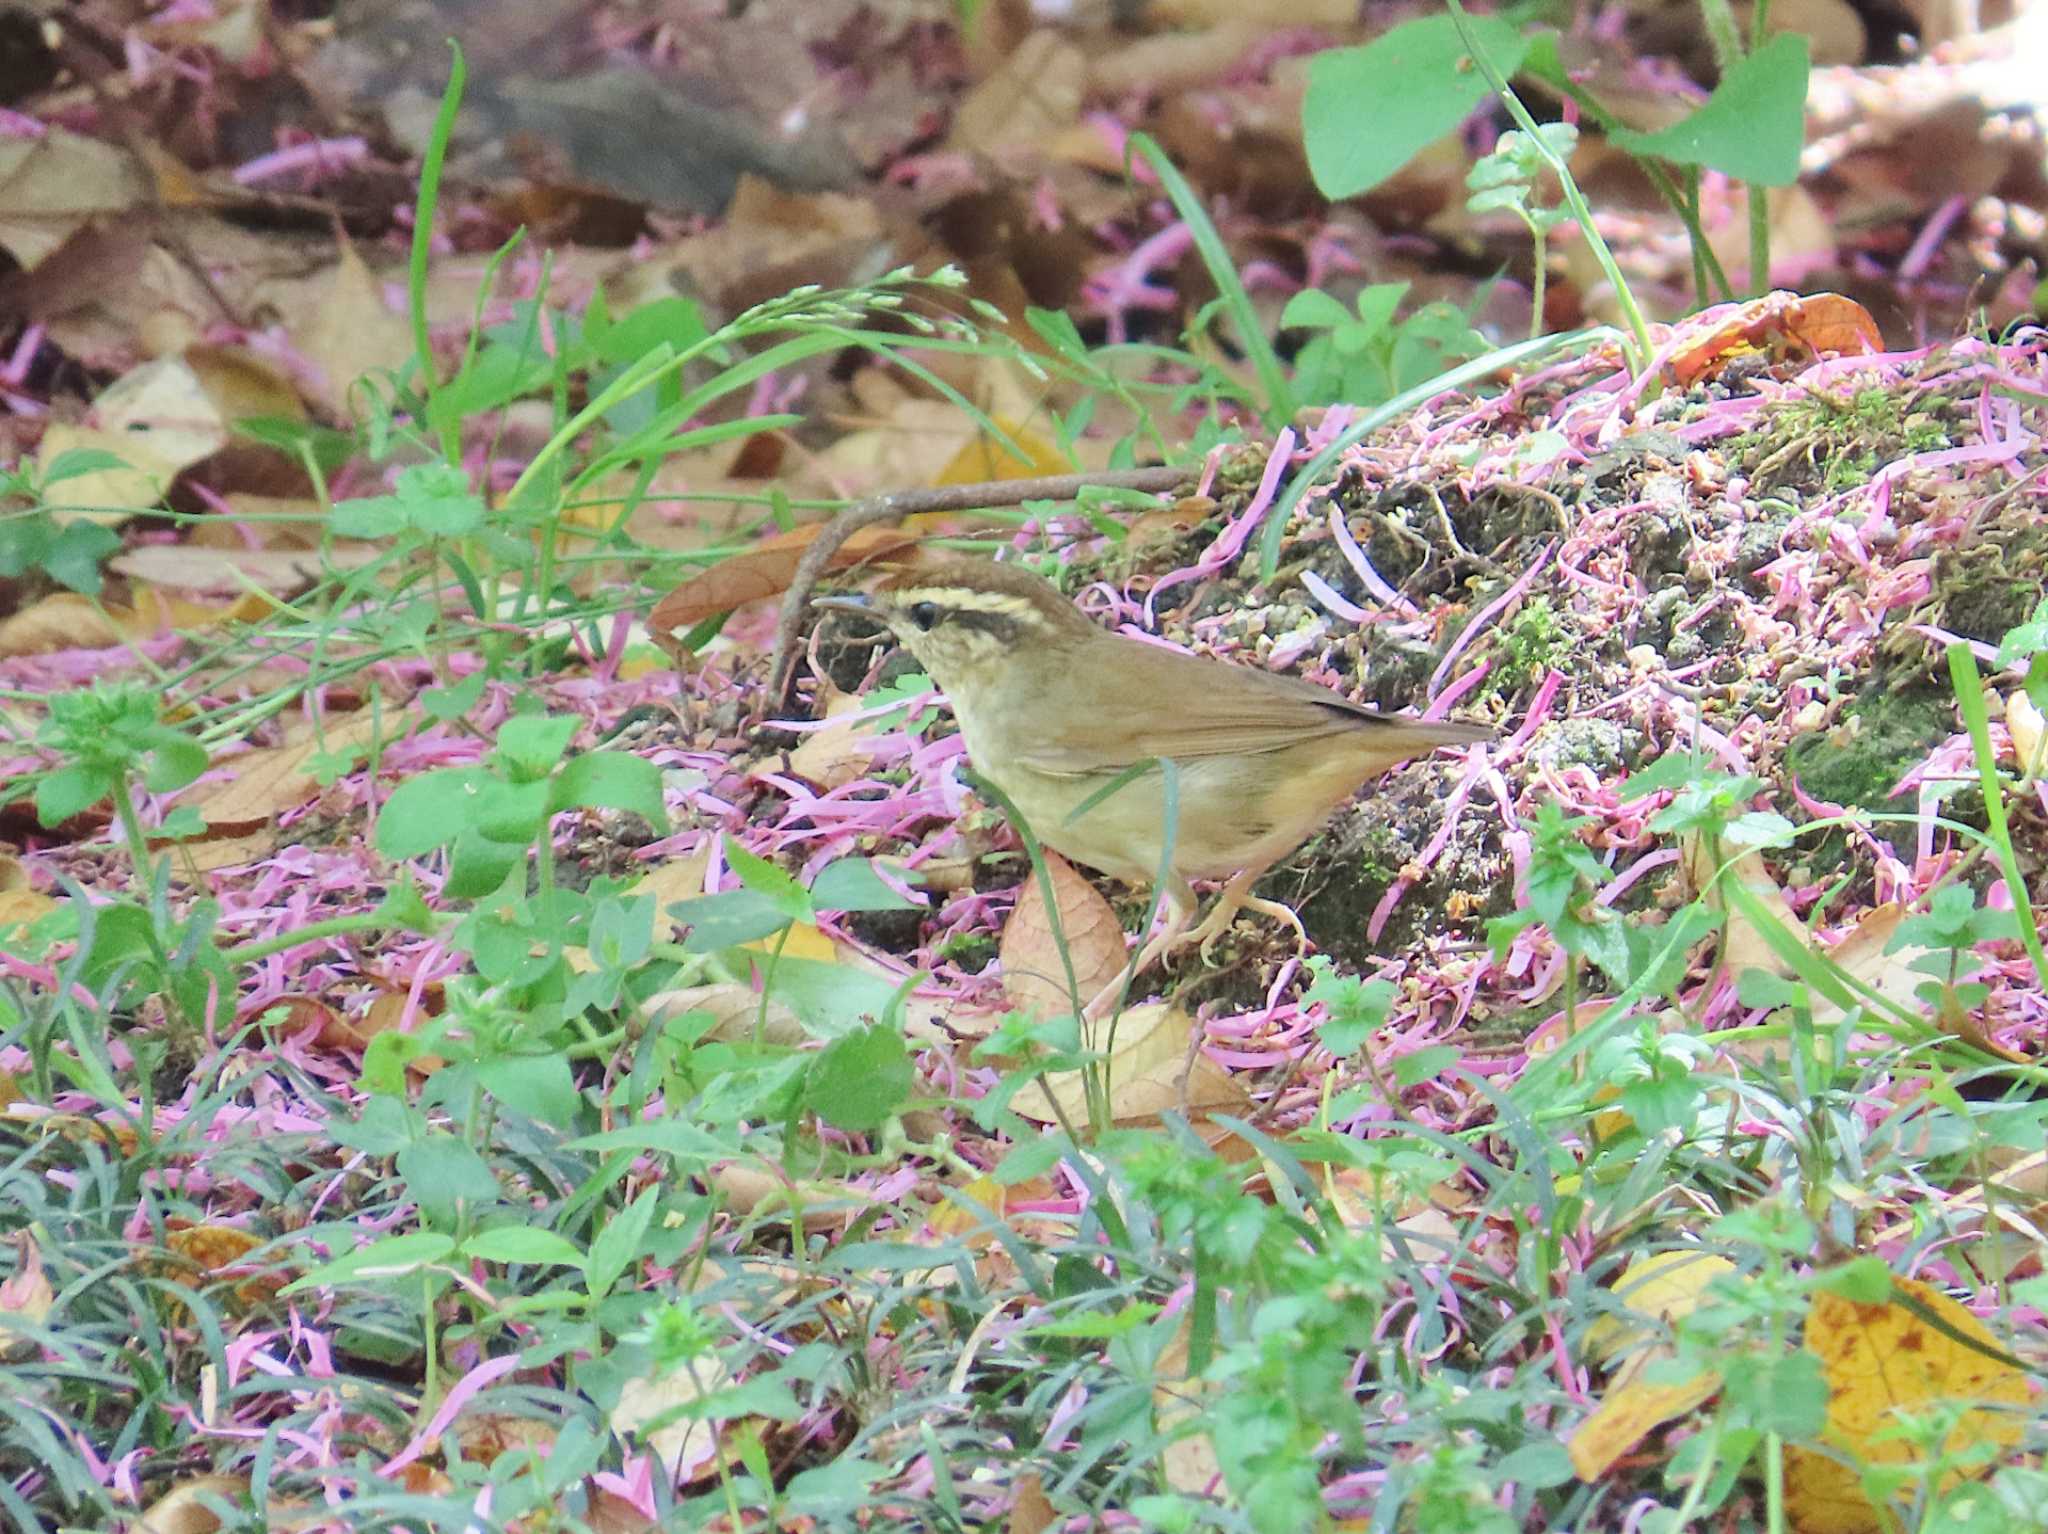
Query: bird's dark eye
924	614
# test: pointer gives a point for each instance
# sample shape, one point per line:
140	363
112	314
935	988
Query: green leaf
851	884
513	813
539	1086
1424	1065
1371	110
429	811
677	321
175	759
691	1147
763	878
392	1256
1058	330
71	791
531	745
75	462
1378	303
1752	127
451	703
611	780
727	919
619	1242
443	1173
481	865
522	1243
858	1081
1313	309
73	557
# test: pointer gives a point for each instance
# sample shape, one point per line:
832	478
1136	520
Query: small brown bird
1053	709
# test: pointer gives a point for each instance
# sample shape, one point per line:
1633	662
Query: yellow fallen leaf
1882	1361
1151	1068
1627	1415
1660	1287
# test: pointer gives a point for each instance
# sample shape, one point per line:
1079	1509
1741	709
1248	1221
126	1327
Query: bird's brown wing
1232	711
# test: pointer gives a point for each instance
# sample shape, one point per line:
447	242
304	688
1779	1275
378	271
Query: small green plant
1527	645
1421	82
1951	928
1508	178
110	740
1562	878
33	537
1363	355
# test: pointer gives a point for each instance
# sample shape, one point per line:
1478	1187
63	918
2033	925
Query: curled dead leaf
763	571
1784	327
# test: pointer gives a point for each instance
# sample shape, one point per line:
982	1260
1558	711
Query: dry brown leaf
1036	93
272	779
1030	1510
840	753
736	1011
687	1445
241	384
183	1509
1628	1414
219	571
1165	62
1862	954
1152	1070
53	183
769	241
1788	329
760	572
747	1188
65	620
20	902
1662	1286
986	457
348	331
1181	1402
60	621
1034	979
1882	1361
1742	945
158	420
1336	15
25	1295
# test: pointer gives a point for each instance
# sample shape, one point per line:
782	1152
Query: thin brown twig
906	503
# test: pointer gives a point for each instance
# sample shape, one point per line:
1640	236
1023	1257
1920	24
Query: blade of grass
1969	690
423	229
1279	393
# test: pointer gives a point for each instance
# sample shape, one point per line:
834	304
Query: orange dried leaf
1786	328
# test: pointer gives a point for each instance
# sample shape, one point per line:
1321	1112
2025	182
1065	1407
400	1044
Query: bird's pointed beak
847	602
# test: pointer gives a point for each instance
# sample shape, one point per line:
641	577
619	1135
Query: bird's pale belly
1232	814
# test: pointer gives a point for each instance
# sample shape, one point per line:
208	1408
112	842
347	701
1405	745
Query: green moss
1526	646
1990	587
1845	439
1885	733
